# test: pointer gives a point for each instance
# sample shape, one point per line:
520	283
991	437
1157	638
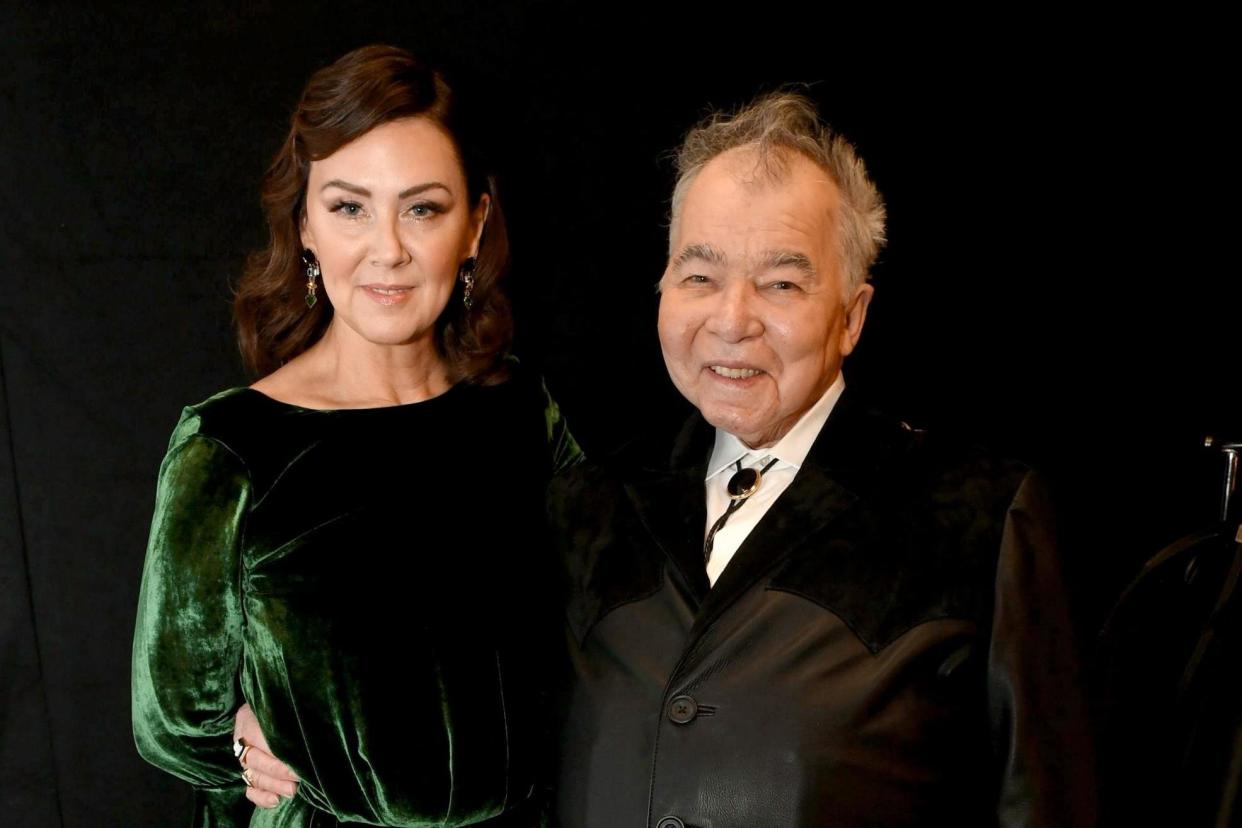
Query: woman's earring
312	273
466	274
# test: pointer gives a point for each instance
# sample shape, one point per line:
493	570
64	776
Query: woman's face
389	219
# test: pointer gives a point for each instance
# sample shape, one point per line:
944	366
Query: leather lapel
671	504
810	503
818	495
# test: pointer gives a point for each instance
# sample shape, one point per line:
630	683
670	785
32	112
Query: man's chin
744	425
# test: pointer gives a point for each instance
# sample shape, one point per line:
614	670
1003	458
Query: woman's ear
304	231
480	213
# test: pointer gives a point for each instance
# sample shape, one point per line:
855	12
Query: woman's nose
387	247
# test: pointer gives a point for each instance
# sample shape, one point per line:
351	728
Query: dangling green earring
312	273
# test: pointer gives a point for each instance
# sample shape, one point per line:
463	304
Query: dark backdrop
1055	285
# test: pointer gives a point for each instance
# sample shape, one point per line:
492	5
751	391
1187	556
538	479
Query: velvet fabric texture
373	583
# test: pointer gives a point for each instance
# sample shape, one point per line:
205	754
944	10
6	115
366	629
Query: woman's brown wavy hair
364	89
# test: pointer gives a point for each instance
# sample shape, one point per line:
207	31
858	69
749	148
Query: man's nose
734	316
387	249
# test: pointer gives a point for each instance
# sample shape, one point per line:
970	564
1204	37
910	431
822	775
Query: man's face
753	323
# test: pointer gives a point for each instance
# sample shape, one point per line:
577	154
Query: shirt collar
791	449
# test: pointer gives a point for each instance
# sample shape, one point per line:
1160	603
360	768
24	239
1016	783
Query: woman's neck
347	371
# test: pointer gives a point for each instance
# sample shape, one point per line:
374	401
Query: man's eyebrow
363	191
699	252
772	259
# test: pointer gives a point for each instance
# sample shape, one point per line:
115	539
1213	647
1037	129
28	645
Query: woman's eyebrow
345	185
422	188
363	191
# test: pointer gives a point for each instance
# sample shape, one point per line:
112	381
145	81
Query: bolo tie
743	484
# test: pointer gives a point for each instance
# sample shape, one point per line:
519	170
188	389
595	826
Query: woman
350	545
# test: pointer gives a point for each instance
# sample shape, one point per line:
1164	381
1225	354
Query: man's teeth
736	373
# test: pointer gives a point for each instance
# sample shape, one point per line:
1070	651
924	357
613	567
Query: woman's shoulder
226	404
245	430
242	420
219	415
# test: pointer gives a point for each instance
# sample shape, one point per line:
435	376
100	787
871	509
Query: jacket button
670	822
682	710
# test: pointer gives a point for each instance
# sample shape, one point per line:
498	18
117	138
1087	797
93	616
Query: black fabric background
1055	286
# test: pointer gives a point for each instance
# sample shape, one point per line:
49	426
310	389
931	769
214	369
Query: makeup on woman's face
390	220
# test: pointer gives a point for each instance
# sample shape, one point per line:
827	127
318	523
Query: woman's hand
270	778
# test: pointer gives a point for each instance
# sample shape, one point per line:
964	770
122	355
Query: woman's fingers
262	798
268	764
269	778
267	783
259	756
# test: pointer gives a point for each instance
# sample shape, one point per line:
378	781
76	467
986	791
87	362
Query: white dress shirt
789	452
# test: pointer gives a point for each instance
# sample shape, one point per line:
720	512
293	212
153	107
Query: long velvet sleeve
188	637
1038	709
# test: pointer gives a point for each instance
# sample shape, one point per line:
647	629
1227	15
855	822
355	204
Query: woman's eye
697	279
784	286
349	209
424	209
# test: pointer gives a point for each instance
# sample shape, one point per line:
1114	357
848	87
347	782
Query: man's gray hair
774	124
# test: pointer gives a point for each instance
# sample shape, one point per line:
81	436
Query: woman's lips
388	294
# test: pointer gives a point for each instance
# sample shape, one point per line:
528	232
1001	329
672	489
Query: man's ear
855	317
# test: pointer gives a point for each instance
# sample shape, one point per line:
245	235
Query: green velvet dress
374	583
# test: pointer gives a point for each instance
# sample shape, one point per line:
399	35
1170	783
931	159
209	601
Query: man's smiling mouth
735	373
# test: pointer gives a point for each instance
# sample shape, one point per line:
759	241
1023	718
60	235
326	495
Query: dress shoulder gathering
374	583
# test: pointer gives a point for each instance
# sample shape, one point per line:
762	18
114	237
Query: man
801	613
